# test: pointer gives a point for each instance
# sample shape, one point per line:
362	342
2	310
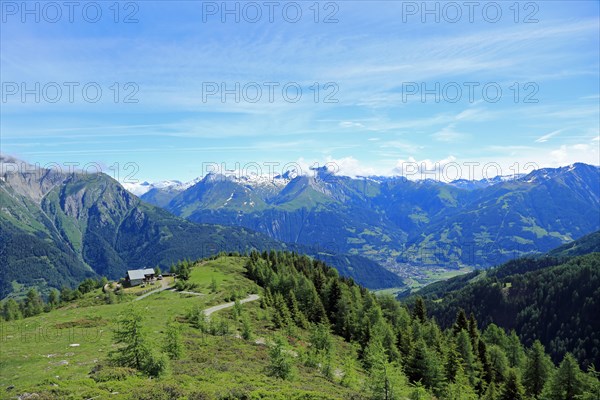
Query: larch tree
512	389
566	382
538	368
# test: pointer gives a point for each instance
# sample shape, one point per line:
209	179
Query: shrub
156	364
157	391
281	362
103	373
246	328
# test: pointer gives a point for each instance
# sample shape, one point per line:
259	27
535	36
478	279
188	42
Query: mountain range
58	228
407	226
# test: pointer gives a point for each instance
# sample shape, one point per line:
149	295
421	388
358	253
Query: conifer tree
237	308
267	299
320	339
419	310
281	362
491	392
593	384
464	349
499	363
183	271
514	350
473	331
281	313
349	367
173	345
423	366
419	393
246	328
494	335
452	362
461	322
404	341
10	310
486	365
512	389
318	313
538	368
385	379
566	382
296	314
334	294
460	388
134	350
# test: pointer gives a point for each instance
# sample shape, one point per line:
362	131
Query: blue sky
375	59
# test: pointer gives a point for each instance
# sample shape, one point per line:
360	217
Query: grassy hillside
307	334
38	356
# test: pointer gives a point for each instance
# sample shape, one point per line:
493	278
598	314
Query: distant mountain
408	226
482	183
58	229
158	193
535	213
585	245
554	298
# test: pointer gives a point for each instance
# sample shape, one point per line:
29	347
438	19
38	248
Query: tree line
553	300
35	304
404	351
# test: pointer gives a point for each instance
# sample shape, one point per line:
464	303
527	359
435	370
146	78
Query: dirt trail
164	286
210	310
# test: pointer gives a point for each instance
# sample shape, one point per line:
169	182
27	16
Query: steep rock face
30	181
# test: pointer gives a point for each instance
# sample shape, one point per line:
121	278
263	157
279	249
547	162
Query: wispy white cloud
448	134
351	124
546	137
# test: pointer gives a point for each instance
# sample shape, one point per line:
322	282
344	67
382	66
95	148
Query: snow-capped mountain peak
140	189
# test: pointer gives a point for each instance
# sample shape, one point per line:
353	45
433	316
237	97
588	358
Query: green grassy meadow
54	354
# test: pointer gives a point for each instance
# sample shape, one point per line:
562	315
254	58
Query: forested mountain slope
552	298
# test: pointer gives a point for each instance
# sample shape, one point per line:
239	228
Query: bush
199	396
156	365
246	328
281	362
198	319
157	391
110	298
180	286
236	394
185	285
219	327
103	373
